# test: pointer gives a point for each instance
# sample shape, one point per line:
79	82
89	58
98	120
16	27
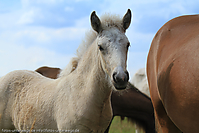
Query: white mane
107	21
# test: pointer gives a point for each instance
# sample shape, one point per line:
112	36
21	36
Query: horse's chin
120	87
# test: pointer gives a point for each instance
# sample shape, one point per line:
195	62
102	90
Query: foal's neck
97	88
91	69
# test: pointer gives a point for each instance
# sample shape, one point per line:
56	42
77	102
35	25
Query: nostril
127	75
114	77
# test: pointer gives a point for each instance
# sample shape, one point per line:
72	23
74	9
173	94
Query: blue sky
34	33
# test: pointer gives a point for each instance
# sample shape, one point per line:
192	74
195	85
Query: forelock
109	20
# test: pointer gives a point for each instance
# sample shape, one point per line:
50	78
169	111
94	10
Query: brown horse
134	105
49	71
130	103
173	75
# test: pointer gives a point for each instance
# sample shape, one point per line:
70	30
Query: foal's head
113	47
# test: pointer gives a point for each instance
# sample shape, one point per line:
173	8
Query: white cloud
83	22
9	19
28	17
165	9
83	0
28	3
41	35
68	9
16	57
15	54
26	47
27	33
136	60
139	39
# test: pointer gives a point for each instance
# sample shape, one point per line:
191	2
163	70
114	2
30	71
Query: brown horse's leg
163	122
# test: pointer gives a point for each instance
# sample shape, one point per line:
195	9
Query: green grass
124	126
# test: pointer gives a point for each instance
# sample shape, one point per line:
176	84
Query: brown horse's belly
178	86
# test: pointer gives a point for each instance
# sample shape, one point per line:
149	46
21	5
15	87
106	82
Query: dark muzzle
120	79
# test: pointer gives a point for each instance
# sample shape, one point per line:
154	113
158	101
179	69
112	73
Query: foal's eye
100	48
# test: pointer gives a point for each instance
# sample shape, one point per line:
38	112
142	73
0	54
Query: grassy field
119	126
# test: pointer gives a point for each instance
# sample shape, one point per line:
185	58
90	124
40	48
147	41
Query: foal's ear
127	19
95	22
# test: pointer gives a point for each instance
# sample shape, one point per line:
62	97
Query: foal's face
113	46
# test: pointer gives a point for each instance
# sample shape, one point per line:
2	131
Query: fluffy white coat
78	99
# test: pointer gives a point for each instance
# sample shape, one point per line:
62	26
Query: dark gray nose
120	79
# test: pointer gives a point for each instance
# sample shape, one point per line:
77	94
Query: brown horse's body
49	71
173	75
134	105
